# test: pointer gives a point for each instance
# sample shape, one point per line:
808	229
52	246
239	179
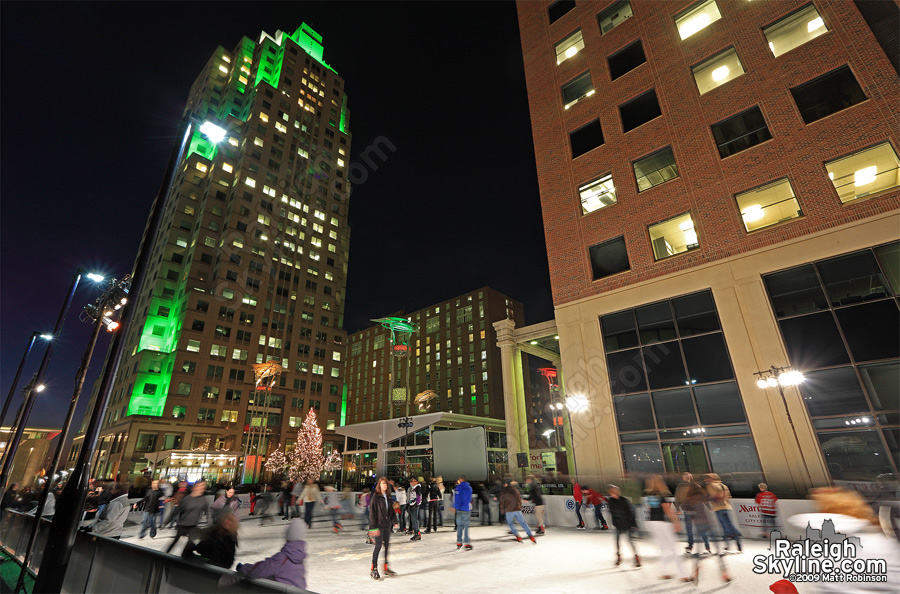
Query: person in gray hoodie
188	513
111	520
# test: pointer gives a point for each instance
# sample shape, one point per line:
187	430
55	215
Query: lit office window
569	46
597	194
577	89
768	205
673	236
717	70
794	30
865	172
614	16
697	19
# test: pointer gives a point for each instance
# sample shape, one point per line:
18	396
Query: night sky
92	93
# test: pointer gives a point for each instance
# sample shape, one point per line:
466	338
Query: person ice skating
217	544
380	522
111	520
286	566
719	497
577	494
511	505
151	510
434	506
285	499
296	498
264	504
400	498
536	497
706	525
332	503
188	513
484	503
690	496
663	526
310	495
414	501
227	503
768	508
623	520
596	500
462	503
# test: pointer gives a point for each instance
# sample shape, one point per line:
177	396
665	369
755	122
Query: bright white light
571	51
865	419
771	381
762	383
589	93
753	213
720	73
831	175
215	133
772	47
814	24
47	336
690	237
576	403
39	388
790	378
865	176
695	24
686	225
97	278
548	432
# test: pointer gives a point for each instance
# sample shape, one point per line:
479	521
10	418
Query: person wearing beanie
285	566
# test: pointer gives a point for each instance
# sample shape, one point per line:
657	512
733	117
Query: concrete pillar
513	391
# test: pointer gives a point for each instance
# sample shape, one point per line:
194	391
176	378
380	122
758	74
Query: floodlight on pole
213	132
779	377
97	278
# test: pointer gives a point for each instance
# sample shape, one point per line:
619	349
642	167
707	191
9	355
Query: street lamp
405	423
38	384
61	536
12	391
779	377
113	298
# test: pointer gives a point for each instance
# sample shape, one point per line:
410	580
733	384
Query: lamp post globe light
61	536
12	390
779	378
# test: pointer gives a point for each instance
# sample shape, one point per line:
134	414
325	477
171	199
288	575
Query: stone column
513	392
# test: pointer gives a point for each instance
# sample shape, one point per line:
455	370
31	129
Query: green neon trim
345	114
202	146
311	42
151	404
397	324
274	75
344	407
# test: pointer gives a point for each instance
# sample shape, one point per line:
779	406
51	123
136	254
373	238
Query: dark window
639	110
674	408
198	325
852	279
665	367
851	455
795	291
655	323
626	372
866	328
813	341
609	257
833	392
586	138
827	94
633	412
707	359
719	404
740	132
882	382
889	258
696	314
618	331
626	60
559	8
685	456
577	88
643	458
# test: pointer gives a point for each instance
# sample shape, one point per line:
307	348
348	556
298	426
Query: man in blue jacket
462	502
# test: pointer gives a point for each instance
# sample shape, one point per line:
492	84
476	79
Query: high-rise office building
720	186
249	267
454	354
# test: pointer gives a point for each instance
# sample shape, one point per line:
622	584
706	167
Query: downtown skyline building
249	267
720	187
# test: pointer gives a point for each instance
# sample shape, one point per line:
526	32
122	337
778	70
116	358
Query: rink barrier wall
103	565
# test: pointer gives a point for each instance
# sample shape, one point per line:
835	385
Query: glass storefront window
633	412
854	455
833	392
674	408
643	458
684	456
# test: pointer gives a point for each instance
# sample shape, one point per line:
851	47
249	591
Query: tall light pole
402	330
778	378
61	537
102	313
38	384
15	384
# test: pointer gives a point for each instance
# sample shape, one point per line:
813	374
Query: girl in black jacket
623	519
381	518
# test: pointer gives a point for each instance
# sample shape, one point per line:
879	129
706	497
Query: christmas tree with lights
276	461
306	461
